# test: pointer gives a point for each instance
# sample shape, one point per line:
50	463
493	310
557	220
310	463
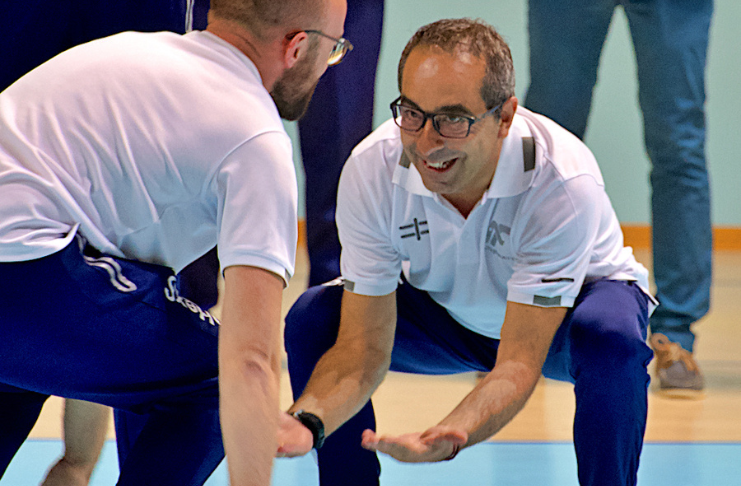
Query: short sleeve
258	205
554	238
369	263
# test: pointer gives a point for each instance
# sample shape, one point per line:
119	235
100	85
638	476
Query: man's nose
428	140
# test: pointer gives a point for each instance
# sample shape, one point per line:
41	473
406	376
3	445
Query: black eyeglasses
447	125
339	51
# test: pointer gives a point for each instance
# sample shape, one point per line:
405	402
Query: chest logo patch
494	234
416	229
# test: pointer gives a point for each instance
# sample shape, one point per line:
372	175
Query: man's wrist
314	424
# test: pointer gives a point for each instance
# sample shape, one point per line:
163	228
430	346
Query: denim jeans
670	38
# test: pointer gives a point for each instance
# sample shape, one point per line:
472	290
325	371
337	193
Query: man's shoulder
380	152
384	140
560	149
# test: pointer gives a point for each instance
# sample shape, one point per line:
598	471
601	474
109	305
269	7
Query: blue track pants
600	347
112	331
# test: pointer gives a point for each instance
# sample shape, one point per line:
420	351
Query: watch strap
314	424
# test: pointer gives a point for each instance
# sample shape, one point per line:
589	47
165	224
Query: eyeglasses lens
338	52
413	120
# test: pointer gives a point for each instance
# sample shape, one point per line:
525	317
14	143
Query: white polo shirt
154	147
543	228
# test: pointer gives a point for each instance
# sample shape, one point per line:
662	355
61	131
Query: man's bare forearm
342	383
494	402
249	370
526	336
249	417
347	375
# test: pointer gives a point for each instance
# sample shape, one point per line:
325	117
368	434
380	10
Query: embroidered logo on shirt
495	237
494	234
418	228
555	280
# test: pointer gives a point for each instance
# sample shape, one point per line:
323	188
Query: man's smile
439	166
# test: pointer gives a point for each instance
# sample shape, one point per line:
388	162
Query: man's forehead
459	53
439	80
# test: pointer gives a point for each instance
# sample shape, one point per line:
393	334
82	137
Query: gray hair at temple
477	38
266	17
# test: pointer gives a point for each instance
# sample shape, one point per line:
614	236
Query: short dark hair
477	38
261	17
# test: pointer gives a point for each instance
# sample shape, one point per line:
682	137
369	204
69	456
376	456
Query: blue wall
615	132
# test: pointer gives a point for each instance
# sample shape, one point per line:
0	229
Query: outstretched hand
294	439
435	444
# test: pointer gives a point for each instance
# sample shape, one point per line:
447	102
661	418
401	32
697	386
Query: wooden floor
407	403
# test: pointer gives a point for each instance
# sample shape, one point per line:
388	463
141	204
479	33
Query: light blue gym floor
500	464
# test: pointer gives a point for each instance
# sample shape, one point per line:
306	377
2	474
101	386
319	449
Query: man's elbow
251	364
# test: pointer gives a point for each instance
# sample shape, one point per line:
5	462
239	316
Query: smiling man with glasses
476	236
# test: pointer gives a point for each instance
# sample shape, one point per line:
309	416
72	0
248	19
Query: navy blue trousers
111	331
600	347
339	116
198	282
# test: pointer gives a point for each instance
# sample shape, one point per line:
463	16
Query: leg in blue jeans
671	40
566	39
600	347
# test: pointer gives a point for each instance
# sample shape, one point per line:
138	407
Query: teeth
438	165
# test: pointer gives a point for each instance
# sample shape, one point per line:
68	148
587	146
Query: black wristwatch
314	424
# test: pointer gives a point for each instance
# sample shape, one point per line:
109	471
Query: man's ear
506	116
293	48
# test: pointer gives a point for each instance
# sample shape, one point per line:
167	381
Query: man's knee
614	329
611	340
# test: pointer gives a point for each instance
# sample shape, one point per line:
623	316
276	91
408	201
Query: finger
390	448
374	442
369	440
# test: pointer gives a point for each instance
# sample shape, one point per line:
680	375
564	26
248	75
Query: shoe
679	375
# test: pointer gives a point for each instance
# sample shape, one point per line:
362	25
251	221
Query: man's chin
295	109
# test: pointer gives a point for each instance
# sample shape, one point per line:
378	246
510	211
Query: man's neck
262	54
463	204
